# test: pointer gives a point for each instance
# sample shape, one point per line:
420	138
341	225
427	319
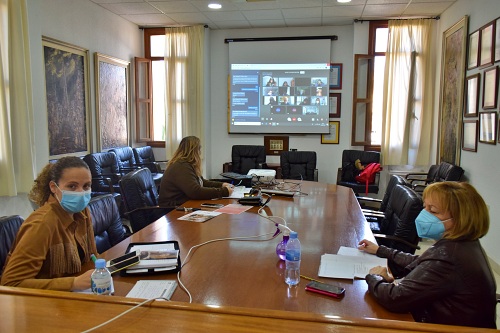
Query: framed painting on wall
112	101
336	76
486	55
335	100
469	141
497	39
471	101
453	61
490	88
333	137
67	92
488	127
473	56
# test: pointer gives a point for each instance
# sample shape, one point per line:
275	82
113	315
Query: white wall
329	155
84	24
481	168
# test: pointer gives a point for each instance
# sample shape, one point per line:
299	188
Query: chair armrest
397	239
107	181
151	165
417	176
227	167
147	208
339	175
372	213
278	173
368	199
315	175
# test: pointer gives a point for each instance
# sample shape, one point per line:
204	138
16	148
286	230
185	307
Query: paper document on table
153	289
152	263
347	266
239	192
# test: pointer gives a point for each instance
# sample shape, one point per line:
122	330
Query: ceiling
242	14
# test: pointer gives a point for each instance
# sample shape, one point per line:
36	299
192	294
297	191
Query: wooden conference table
248	273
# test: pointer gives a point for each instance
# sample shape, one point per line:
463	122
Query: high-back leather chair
145	156
9	226
140	199
349	157
105	171
127	162
437	173
379	205
298	165
246	157
397	228
108	227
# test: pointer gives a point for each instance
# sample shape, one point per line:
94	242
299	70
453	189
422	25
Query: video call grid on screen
279	95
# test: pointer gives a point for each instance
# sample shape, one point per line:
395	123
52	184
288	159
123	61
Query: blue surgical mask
429	225
74	202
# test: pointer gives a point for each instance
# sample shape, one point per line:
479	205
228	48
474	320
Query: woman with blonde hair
183	180
450	283
56	239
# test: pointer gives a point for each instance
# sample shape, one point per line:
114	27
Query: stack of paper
150	289
199	216
348	263
158	256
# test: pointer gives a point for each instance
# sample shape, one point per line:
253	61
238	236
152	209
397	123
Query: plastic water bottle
292	254
101	279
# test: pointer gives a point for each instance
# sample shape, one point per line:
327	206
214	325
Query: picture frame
333	136
473	53
112	101
497	39
275	145
335	105
66	68
471	100
335	76
488	127
469	138
453	64
490	88
487	50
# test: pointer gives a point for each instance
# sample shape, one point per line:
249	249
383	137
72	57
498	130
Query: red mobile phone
325	289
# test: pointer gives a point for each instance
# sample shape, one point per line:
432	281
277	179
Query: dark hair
40	191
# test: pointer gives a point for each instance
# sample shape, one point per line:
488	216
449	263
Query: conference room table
246	272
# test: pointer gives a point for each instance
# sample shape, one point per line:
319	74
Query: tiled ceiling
267	13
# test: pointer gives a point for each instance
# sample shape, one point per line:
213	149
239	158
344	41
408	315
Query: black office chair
349	158
246	157
397	228
145	156
9	226
140	199
108	227
298	165
127	163
437	173
379	205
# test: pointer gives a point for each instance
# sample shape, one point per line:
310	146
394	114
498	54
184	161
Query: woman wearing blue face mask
450	283
57	238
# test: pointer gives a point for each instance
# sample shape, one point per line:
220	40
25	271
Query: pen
93	257
308	278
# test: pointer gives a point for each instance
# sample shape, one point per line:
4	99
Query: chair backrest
9	226
125	156
393	181
399	218
104	163
144	154
246	157
365	157
108	226
448	172
139	191
298	165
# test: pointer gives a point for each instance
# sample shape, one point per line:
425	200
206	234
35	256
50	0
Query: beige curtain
184	53
408	93
17	169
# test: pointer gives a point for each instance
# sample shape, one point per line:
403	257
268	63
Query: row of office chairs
299	165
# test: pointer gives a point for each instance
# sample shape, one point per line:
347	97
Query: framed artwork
333	137
486	54
490	88
335	102
336	76
473	55
67	92
469	138
112	101
497	39
488	127
275	145
471	102
453	60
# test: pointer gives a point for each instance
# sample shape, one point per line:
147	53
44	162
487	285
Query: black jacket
450	283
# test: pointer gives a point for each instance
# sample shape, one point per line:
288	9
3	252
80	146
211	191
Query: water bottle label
101	287
292	255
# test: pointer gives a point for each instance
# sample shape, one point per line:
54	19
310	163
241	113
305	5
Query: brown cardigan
180	184
45	253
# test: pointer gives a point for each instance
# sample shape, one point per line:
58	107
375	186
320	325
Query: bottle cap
293	234
100	263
